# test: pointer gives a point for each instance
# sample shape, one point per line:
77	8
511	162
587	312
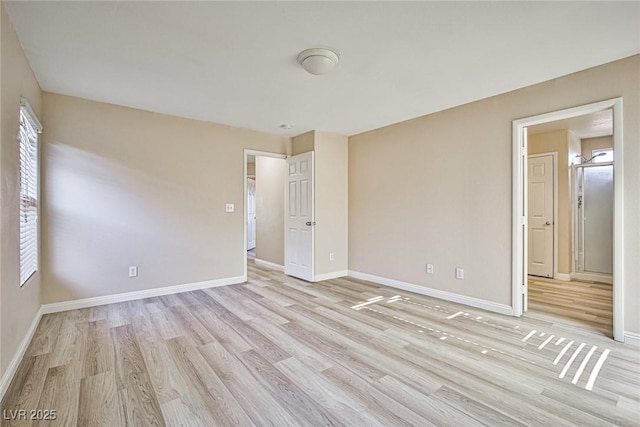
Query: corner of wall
18	305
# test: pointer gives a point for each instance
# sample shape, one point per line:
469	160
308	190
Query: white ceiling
235	62
587	126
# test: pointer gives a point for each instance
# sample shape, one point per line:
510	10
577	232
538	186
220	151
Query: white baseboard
329	276
593	277
129	296
10	372
269	264
563	277
632	338
436	293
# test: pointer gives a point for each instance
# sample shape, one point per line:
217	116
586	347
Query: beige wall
18	305
303	143
331	202
331	198
251	169
438	188
558	142
270	176
129	187
590	144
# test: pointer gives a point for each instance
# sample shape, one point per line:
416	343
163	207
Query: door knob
547	223
309	223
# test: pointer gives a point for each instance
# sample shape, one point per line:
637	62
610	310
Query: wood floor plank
348	410
100	404
255	399
99	356
134	386
26	388
301	406
473	408
209	395
379	403
61	390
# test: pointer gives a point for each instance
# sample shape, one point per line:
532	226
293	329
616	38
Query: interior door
540	215
299	196
251	214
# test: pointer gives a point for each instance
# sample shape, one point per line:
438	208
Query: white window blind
28	137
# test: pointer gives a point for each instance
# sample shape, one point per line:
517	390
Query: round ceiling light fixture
318	60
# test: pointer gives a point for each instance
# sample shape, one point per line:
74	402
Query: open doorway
264	174
566	253
570	220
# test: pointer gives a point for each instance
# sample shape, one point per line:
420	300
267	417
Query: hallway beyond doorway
583	305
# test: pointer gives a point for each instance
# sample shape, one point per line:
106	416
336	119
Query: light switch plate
229	207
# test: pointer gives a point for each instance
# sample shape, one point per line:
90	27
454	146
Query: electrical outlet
133	271
429	268
459	273
229	207
332	256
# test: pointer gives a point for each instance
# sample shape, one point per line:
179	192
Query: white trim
11	370
554	160
436	293
129	296
31	115
329	276
632	338
248	152
519	239
563	277
593	277
269	264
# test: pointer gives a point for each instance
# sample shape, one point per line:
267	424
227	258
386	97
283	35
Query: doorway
521	247
263	209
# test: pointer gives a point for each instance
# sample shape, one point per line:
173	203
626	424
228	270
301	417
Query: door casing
519	205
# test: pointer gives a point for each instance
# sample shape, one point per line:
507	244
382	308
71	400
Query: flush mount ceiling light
318	61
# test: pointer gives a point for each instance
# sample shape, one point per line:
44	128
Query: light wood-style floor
585	305
283	352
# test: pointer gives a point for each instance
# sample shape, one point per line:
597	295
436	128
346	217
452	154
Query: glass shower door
595	218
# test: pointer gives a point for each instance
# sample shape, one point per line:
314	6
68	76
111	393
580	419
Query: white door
540	216
251	214
298	247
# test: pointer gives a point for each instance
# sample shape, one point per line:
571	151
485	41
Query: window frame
29	130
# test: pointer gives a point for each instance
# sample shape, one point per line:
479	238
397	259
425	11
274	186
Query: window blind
28	137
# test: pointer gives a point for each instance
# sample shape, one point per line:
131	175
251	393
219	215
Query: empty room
206	220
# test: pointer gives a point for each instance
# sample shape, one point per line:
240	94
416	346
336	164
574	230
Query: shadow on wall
101	216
